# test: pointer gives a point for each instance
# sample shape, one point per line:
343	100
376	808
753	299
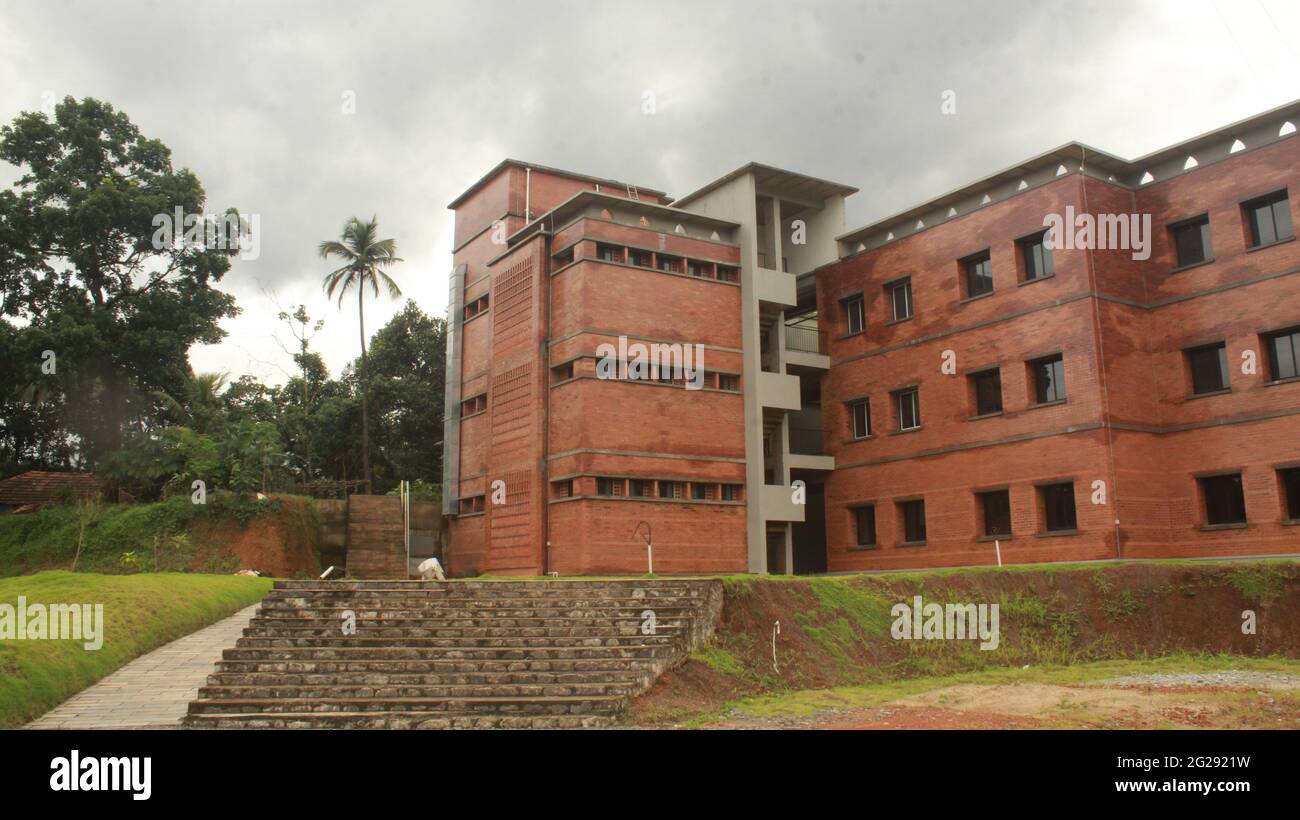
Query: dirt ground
1035	705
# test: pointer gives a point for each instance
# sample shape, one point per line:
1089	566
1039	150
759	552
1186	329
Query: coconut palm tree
363	257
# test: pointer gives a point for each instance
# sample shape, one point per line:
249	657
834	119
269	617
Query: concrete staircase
460	654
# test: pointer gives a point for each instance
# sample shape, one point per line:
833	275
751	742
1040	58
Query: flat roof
503	164
1074	151
771	176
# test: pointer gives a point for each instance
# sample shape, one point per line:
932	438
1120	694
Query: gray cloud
249	95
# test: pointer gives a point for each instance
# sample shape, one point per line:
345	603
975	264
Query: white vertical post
650	558
997	545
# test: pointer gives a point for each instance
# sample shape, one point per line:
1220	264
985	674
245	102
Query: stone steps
369	653
374	678
397	720
477	654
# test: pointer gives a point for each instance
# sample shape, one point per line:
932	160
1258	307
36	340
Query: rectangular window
1209	368
987	389
854	315
670	489
900	294
1284	354
726	274
979	274
909	409
1192	241
913	514
640	488
1225	502
701	492
563	489
609	486
476	307
474	404
864	522
1269	218
639	258
730	492
562	372
697	269
609	253
1058	507
860	415
671	264
1048	379
995	508
473	504
1037	257
728	381
1290	479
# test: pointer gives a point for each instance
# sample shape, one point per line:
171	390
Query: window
609	253
987	389
1058	507
639	258
854	315
1209	367
474	308
1036	256
1048	376
1225	503
1284	354
701	492
697	269
979	274
671	264
730	492
1192	241
1269	218
564	257
473	504
609	486
864	524
913	514
563	489
562	372
1290	479
995	509
640	488
726	274
475	404
860	418
670	489
909	409
728	381
900	294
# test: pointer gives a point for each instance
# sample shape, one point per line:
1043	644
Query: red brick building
896	396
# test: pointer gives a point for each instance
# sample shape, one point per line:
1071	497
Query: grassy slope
141	613
47	539
835	630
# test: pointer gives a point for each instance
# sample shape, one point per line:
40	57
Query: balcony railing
805	339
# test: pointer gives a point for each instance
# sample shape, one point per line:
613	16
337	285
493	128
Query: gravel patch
1233	678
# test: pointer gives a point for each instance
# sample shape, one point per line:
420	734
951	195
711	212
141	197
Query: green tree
408	360
364	256
80	267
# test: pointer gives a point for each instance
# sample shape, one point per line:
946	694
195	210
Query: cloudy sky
251	97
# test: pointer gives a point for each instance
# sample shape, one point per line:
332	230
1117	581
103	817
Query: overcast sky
250	96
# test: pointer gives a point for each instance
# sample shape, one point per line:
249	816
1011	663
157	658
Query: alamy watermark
230	231
53	622
940	622
1085	231
653	362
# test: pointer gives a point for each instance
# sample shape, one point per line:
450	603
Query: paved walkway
153	690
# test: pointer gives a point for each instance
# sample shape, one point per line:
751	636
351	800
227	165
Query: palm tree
199	407
363	256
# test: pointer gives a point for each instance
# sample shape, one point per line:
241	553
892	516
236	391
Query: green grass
141	613
807	702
